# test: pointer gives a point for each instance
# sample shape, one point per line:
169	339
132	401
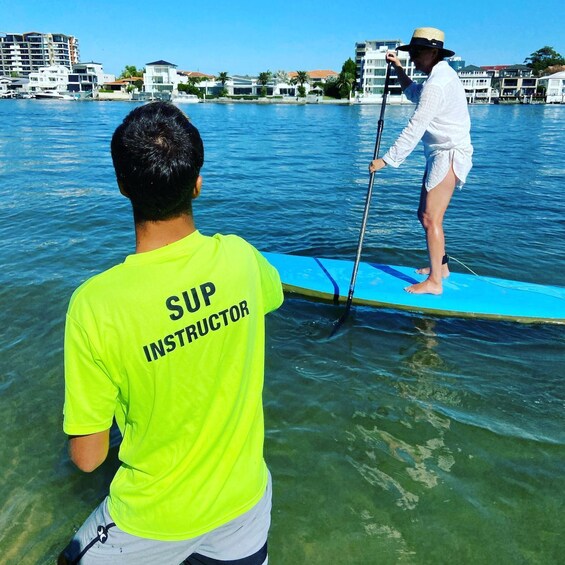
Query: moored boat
52	95
183	98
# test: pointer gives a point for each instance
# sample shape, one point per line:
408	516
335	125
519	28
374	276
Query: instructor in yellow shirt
170	344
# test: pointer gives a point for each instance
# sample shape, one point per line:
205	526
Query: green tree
301	78
349	67
190	88
347	78
345	84
282	77
330	88
222	78
131	71
543	58
263	80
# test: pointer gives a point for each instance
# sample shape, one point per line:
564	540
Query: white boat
52	95
183	98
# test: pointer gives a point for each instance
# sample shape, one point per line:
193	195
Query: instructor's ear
197	188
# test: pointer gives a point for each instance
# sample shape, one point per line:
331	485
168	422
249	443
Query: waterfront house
494	70
5	83
517	83
243	85
11	87
554	87
317	77
87	78
160	79
53	78
195	76
477	84
120	89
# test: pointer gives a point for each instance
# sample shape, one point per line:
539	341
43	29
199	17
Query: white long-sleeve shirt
441	120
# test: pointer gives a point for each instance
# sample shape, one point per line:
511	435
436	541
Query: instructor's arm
89	452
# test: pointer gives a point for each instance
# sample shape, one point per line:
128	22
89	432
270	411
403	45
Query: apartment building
370	59
24	53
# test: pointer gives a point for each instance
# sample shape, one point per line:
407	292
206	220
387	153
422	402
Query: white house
5	83
160	78
87	77
477	84
53	78
555	87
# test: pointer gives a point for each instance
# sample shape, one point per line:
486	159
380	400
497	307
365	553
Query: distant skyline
249	36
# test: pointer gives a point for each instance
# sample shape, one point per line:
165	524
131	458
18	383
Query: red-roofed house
321	76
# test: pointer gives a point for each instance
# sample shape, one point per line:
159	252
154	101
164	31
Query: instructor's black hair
157	155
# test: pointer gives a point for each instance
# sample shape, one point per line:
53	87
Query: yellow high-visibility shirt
171	344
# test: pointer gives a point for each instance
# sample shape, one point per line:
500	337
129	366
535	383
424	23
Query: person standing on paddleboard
171	344
441	120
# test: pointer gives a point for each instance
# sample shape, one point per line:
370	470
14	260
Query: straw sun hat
429	38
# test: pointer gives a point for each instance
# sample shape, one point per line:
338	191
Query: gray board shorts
242	541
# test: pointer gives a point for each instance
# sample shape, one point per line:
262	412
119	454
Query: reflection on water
419	462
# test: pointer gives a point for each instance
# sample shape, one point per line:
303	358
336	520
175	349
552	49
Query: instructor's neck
153	235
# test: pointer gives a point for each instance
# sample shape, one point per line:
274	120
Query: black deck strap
258	558
101	536
394	272
332	280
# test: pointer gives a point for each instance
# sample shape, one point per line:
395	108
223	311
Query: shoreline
294	102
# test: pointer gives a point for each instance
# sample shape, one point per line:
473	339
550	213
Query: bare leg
421	210
433	205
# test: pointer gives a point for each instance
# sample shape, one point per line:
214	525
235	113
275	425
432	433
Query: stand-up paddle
380	125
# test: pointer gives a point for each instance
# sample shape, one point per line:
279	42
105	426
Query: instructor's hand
376	165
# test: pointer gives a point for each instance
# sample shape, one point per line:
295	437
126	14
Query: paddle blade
339	323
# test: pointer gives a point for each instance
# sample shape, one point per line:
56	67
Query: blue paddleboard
464	295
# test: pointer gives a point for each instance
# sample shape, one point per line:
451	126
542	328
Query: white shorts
243	541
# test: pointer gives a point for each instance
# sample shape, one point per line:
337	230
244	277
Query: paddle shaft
380	126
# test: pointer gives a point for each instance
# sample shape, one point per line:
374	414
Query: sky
252	36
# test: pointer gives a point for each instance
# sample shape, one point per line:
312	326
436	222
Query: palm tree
282	77
131	71
263	80
222	78
345	83
300	79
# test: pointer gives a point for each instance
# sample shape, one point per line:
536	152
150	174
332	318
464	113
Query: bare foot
426	271
425	287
